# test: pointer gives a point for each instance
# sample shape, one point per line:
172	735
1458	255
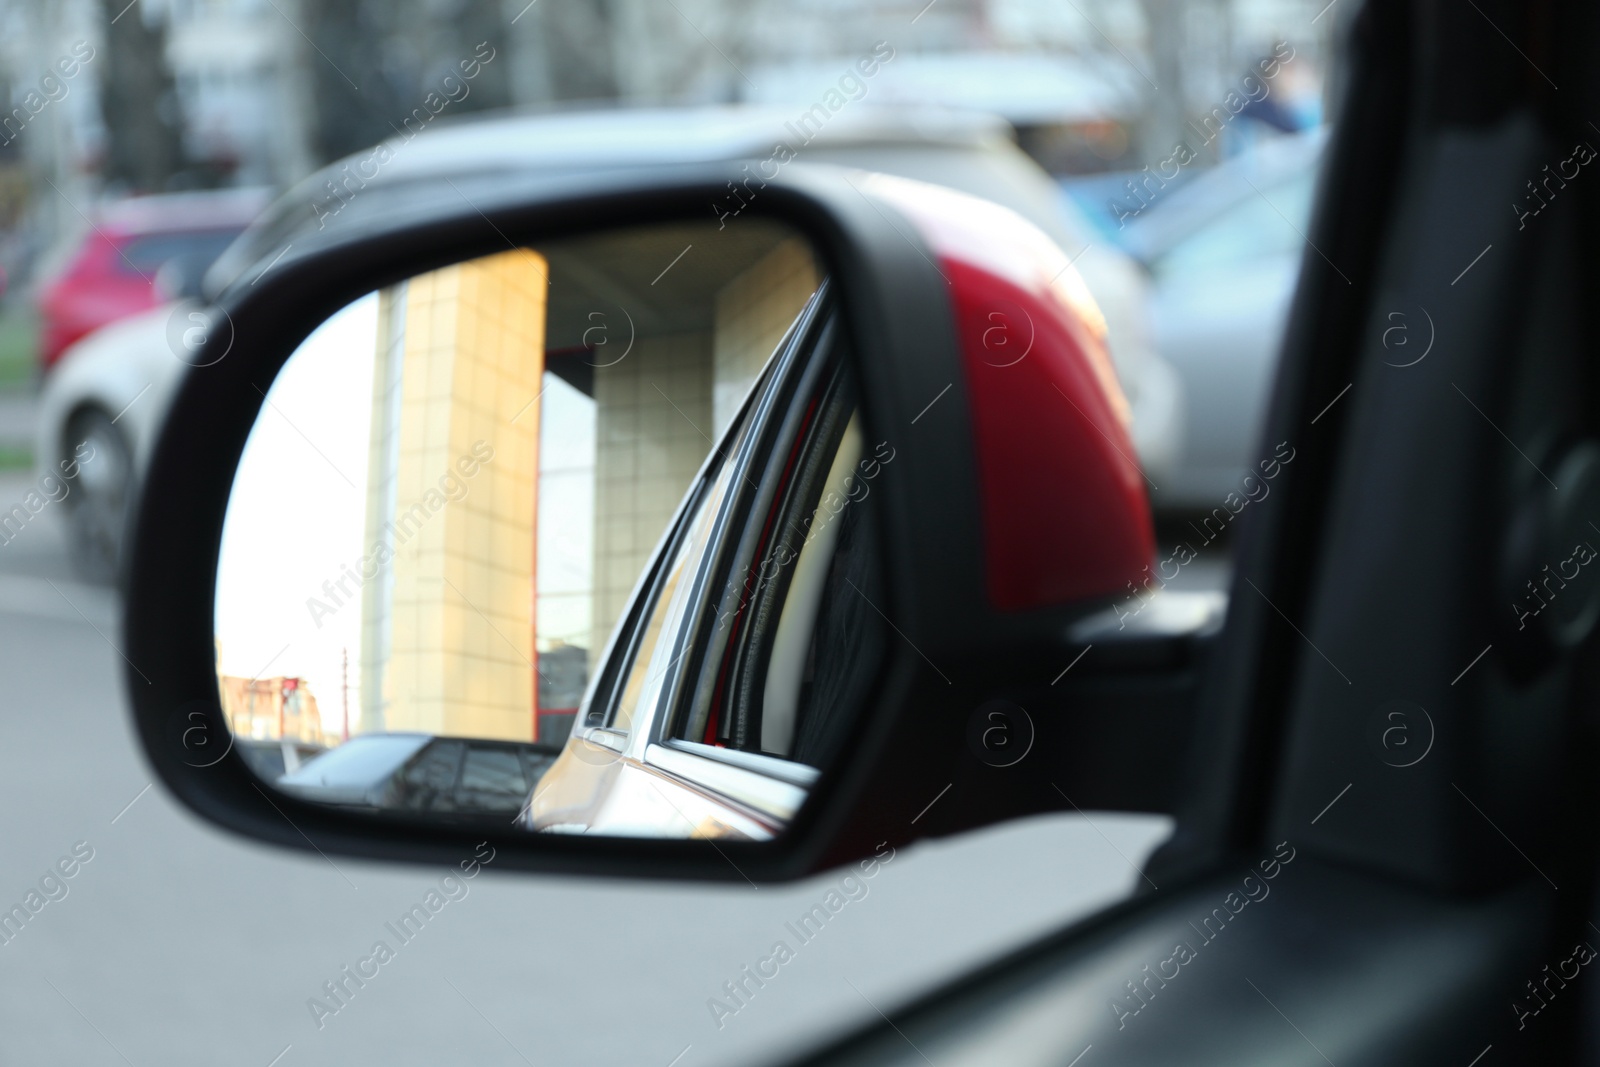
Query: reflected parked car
421	772
113	270
1224	254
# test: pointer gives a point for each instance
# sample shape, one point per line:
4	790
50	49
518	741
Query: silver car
1224	254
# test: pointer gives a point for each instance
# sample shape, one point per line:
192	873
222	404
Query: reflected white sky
296	516
566	491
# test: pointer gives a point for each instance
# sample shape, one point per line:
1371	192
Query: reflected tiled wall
648	450
449	629
752	313
653	432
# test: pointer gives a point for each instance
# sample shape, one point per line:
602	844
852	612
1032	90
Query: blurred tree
143	122
643	51
696	51
576	39
1164	123
374	63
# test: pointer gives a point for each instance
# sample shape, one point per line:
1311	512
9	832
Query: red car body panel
1065	513
112	273
96	289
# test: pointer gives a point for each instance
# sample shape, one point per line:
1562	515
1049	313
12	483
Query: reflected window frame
713	506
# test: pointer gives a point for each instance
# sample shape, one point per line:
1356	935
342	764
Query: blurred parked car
98	391
964	150
103	402
1224	253
112	270
420	772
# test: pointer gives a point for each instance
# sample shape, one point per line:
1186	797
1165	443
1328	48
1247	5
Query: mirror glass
562	536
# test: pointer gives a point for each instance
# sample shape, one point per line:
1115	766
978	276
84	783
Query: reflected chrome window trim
778	767
758	791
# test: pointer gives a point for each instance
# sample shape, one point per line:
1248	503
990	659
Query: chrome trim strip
768	795
770	766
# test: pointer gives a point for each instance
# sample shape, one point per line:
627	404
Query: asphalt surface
177	944
16	416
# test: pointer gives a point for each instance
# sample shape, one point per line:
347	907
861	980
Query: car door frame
757	792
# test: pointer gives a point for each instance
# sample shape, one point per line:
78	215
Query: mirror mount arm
1110	730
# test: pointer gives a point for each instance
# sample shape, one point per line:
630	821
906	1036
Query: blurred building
263	91
272	709
1089	87
239	73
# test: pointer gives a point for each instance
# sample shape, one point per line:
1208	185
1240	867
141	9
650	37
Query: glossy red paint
111	274
96	288
1065	513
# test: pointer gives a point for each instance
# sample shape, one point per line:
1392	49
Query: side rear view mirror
639	538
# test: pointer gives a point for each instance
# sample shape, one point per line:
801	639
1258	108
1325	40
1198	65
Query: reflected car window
847	638
494	771
431	776
650	661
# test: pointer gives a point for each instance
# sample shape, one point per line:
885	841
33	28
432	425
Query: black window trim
817	447
597	710
773	428
764	431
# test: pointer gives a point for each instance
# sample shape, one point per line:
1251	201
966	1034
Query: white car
107	392
115	384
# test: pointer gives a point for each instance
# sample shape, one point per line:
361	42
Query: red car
112	272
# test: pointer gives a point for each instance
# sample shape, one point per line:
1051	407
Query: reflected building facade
536	420
447	630
272	709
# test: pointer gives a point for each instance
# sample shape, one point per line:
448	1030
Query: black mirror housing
955	655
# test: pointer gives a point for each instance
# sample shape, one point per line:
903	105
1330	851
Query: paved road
16	415
176	944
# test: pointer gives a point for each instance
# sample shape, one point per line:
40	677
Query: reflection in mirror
435	592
